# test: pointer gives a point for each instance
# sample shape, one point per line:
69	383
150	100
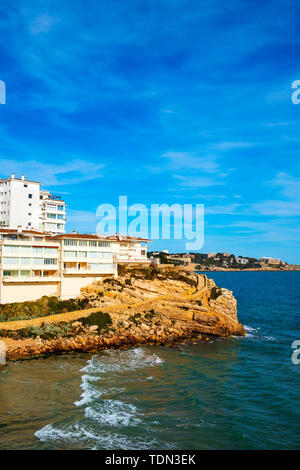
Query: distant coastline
220	262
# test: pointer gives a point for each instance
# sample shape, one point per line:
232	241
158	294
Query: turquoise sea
240	393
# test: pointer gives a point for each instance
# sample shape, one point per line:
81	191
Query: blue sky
171	101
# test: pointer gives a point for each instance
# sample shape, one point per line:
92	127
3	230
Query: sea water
240	393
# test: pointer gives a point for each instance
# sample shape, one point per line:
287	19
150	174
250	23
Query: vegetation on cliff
95	323
40	308
143	305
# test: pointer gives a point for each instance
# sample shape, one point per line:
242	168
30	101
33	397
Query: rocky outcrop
146	305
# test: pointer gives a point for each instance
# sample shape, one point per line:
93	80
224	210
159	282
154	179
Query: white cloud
52	174
233	145
277	208
288	187
197	181
190	160
222	209
42	24
81	220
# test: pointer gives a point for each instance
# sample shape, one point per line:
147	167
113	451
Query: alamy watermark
296	94
296	353
157	222
2	353
2	92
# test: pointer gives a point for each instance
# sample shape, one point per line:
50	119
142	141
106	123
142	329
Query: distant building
23	204
210	255
226	254
269	260
165	251
241	260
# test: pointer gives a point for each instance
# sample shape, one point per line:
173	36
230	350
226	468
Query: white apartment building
52	216
23	204
34	263
128	249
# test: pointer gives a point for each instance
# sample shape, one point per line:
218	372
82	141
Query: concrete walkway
59	317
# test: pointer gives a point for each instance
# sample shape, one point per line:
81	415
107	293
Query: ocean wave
256	334
114	361
90	392
78	433
113	413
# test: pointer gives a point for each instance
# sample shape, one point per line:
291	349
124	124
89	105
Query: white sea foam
255	333
250	328
90	392
112	361
78	433
113	413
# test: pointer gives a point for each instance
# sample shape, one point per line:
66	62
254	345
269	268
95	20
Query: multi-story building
34	263
128	249
269	260
22	203
52	213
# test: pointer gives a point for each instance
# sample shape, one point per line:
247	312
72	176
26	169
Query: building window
25	249
69	242
29	214
104	254
51	216
29	224
82	243
30	196
25	260
104	244
70	254
10	260
49	261
37	249
25	185
51	250
60	208
92	243
10	249
25	273
38	260
10	273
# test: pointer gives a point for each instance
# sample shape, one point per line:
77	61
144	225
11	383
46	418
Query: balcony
131	259
31	277
91	271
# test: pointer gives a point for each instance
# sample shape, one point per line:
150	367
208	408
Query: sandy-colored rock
172	305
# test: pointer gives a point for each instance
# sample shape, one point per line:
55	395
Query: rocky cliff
146	305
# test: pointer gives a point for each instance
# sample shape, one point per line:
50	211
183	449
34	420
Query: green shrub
136	318
100	319
40	308
215	292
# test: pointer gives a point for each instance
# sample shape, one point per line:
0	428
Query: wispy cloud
189	160
68	173
233	145
288	187
197	181
42	24
82	221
